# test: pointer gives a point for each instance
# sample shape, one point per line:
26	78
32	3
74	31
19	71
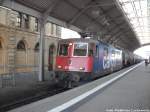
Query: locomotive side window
90	50
106	63
113	53
63	50
106	52
80	49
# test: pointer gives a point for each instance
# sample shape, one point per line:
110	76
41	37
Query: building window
52	29
19	16
36	24
58	31
21	46
26	21
36	49
48	29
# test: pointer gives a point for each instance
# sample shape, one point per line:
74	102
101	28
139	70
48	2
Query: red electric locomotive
86	58
74	59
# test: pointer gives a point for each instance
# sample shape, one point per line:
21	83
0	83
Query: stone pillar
9	79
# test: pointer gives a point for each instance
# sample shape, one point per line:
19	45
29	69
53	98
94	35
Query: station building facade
19	42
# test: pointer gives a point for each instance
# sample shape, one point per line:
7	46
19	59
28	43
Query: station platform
127	90
26	85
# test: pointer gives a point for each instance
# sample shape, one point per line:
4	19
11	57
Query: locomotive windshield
80	49
63	50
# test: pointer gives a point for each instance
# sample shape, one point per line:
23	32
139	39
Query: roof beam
126	2
86	8
109	18
111	41
1	2
121	29
21	8
119	7
116	37
92	19
123	43
118	27
122	23
24	3
63	24
51	7
82	12
129	45
27	10
116	31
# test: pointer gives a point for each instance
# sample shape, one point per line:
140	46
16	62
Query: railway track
43	94
31	99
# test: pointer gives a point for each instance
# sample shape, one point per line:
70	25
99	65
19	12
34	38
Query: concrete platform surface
129	94
26	85
132	91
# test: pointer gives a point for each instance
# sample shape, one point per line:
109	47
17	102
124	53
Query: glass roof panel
138	13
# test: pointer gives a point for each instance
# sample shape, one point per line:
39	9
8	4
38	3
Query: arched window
36	47
52	46
21	46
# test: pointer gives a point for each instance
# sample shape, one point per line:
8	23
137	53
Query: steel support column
42	39
41	55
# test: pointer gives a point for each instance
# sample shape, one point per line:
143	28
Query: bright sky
143	51
67	33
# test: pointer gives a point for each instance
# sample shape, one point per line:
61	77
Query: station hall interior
86	55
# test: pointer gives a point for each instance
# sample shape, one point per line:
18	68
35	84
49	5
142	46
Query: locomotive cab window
80	49
63	50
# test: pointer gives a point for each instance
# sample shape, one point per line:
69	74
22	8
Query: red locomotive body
78	64
74	57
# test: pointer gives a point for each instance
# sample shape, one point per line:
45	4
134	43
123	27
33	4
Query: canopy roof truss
138	14
100	16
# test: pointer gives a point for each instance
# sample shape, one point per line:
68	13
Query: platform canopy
138	12
105	17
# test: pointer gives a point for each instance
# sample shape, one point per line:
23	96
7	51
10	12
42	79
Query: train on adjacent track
82	59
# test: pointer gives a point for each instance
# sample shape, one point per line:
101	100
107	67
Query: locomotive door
96	60
51	57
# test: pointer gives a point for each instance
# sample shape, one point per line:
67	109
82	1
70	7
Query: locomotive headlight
70	44
82	68
59	66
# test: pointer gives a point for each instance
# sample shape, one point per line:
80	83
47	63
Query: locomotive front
74	60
